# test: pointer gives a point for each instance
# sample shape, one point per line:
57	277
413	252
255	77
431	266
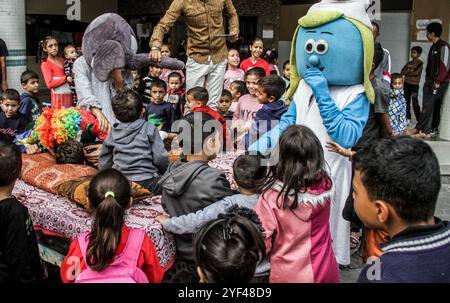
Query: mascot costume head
335	36
109	43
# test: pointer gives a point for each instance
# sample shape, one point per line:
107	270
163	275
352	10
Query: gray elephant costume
109	43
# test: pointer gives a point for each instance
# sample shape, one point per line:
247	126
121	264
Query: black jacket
189	187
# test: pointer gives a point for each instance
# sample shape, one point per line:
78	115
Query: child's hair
301	164
417	49
109	194
274	86
43	44
256	71
271	56
27	76
199	94
192	120
70	152
248	171
396	76
226	93
435	28
403	172
159	84
287	62
10	163
378	55
255	40
229	248
127	106
240	87
11	94
175	75
67	47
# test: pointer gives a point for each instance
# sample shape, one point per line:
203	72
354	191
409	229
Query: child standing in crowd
12	122
412	72
287	73
269	91
52	68
160	113
165	51
190	184
111	252
197	98
233	73
402	202
255	60
294	209
248	105
19	252
237	90
133	145
248	174
271	56
153	74
228	249
224	105
29	99
397	105
175	94
70	55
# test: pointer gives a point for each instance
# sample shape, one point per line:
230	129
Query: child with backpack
127	256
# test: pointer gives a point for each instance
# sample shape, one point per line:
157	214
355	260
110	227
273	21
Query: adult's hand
155	55
103	122
233	37
92	153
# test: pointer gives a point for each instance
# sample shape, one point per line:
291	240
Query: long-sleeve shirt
204	22
413	71
56	80
438	67
187	224
147	260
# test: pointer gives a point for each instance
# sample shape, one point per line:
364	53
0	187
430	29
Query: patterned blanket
56	216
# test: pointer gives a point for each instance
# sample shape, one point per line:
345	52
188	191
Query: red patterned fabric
41	170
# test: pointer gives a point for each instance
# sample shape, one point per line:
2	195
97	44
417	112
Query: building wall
89	8
267	12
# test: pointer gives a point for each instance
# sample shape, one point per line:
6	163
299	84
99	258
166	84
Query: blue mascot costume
331	59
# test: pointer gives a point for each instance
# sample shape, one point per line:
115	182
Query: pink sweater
233	75
298	241
244	116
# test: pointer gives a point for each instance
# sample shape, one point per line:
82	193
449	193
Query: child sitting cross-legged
190	185
134	146
396	187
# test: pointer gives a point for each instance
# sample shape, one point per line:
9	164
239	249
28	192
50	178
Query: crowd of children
275	228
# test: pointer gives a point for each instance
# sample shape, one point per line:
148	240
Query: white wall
395	37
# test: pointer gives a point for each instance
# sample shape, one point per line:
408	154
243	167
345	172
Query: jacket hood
125	133
180	175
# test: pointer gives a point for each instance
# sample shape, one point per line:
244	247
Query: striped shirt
204	22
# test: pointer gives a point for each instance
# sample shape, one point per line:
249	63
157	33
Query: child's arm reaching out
187	224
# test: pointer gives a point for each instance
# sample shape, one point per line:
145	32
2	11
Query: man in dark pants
436	82
3	55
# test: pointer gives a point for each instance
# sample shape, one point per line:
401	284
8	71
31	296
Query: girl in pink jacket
297	231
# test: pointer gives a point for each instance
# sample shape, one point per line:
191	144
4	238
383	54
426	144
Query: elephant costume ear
109	56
